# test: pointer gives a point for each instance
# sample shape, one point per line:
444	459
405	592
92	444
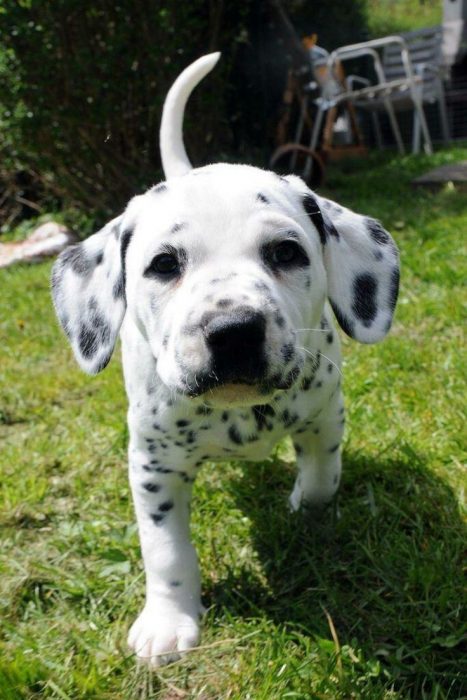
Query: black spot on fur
330	337
279	319
262	198
334	448
306	383
87	341
75	257
182	423
330	367
344	322
203	411
166	506
324	227
157	518
235	435
225	416
260	414
365	288
177	227
152	488
377	232
162	187
394	288
287	352
175	584
224	303
118	289
125	242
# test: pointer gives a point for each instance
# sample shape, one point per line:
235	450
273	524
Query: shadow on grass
384	561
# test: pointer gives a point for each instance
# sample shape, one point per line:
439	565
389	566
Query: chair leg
307	168
377	128
443	115
416	132
427	145
299	132
394	126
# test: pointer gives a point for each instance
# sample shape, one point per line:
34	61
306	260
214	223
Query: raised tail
174	158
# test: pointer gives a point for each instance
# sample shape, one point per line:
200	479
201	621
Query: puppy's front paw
311	494
160	634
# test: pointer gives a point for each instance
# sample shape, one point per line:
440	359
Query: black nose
236	340
242	329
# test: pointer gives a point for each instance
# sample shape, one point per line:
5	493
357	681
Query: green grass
394	16
364	602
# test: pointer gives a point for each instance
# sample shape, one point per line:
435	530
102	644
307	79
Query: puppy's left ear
362	267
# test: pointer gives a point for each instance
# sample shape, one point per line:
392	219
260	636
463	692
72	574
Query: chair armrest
369	48
352	80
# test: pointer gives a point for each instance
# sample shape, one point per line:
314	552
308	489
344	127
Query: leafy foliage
82	85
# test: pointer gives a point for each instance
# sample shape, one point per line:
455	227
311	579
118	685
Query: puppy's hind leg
319	458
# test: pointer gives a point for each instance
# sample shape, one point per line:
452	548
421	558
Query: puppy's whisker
315	357
318	330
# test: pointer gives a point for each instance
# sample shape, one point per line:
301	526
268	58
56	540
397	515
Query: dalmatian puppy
220	282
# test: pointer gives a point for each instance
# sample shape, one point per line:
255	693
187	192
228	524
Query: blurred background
82	86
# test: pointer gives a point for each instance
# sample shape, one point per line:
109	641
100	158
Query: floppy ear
362	267
88	289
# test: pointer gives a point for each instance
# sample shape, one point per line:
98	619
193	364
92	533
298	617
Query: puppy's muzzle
236	341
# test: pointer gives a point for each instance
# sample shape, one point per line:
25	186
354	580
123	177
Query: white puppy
218	281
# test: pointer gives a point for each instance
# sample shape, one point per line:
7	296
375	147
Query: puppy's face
221	274
223	270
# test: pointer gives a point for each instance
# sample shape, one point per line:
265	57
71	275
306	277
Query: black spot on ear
325	227
344	322
99	258
76	258
177	227
394	288
87	342
126	238
377	232
365	287
262	198
118	288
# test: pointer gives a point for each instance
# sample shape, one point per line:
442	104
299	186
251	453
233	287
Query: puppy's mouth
241	391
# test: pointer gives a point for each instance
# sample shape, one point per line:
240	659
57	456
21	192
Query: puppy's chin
235	395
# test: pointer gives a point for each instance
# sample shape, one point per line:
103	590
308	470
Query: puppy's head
221	269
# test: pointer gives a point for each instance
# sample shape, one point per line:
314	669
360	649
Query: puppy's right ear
88	289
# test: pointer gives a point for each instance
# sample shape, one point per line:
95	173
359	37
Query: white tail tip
174	158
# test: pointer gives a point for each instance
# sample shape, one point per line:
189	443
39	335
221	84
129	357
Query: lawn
365	601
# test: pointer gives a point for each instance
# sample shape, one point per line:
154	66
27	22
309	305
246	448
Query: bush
82	86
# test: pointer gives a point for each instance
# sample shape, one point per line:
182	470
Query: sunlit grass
364	602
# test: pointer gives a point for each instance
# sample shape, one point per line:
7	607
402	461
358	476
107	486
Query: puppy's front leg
319	457
169	622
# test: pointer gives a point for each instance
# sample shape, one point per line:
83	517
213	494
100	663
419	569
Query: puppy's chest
178	434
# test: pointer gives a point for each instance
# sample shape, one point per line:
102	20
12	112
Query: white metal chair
408	74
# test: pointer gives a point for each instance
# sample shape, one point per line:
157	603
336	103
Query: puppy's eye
164	266
285	255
